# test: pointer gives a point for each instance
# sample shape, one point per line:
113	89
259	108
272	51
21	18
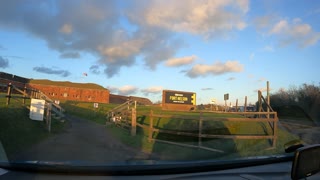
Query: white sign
95	105
57	102
37	109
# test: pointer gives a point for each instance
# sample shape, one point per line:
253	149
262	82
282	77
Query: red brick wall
74	94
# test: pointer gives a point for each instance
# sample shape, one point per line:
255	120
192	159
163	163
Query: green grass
233	148
67	84
87	111
17	131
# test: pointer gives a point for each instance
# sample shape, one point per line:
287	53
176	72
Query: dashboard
280	170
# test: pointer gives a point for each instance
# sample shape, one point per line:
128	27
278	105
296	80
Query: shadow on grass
180	152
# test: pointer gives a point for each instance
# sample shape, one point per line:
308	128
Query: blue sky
140	48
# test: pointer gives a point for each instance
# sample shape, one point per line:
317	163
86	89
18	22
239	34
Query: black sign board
226	97
177	97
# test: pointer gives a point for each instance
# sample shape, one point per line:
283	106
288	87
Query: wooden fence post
245	104
259	102
237	105
150	126
275	131
268	100
48	117
24	95
9	93
200	131
133	122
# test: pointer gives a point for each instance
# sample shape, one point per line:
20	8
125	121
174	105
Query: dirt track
307	133
82	141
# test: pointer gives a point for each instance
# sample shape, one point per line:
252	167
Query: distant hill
66	83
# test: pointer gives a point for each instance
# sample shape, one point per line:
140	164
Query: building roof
66	83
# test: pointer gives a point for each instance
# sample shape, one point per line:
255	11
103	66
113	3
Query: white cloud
268	48
66	29
264	89
294	32
127	90
174	62
124	90
204	17
96	27
124	49
215	69
152	90
280	27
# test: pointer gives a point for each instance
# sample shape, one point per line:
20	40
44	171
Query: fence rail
27	93
272	121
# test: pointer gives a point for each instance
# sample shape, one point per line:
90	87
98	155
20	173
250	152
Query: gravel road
83	141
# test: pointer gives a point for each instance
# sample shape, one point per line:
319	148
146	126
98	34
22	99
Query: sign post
95	106
226	97
213	101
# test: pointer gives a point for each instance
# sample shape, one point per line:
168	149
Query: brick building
57	90
63	90
72	91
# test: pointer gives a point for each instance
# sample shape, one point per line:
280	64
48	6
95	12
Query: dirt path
309	133
83	141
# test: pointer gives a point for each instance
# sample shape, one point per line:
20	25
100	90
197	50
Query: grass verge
18	132
233	148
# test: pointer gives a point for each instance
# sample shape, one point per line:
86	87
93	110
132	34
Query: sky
139	48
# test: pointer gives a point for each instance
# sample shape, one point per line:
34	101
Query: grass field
17	131
233	148
87	111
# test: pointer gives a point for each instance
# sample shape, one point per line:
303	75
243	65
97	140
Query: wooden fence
26	93
259	117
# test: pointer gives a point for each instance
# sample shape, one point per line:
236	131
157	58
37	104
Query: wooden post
200	131
133	122
31	93
259	102
48	118
150	126
24	95
9	93
237	105
268	100
225	105
275	131
245	104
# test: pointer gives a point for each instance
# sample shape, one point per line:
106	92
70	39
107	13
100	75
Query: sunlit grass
17	131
